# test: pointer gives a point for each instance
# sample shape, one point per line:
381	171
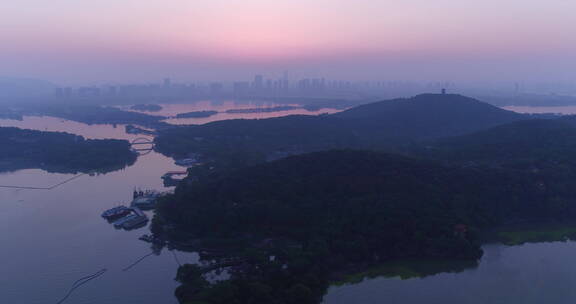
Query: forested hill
535	155
430	115
529	144
342	208
326	212
300	195
383	124
84	113
61	152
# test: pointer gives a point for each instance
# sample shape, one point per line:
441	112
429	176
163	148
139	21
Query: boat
144	200
146	238
170	174
120	223
116	213
152	239
137	221
169	179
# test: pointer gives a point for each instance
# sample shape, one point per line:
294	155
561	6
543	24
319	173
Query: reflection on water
531	273
171	110
47	123
408	269
564	110
51	238
53	124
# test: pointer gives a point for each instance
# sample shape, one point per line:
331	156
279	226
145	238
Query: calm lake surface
527	274
564	110
51	238
170	110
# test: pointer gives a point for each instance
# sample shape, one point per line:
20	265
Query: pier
169	179
170	174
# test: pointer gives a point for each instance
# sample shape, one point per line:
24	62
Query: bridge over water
142	145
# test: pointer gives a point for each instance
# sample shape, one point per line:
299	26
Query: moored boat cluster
132	217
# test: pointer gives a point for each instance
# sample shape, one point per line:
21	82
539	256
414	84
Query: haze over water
323	53
51	238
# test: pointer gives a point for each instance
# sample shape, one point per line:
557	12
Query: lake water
528	274
170	110
563	110
51	238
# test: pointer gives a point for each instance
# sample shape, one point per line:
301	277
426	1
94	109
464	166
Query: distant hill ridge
431	115
523	144
382	124
419	103
327	212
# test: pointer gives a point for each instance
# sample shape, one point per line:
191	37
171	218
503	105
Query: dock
170	174
138	212
169	179
144	200
133	217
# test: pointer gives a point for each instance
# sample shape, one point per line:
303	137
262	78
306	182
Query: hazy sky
124	40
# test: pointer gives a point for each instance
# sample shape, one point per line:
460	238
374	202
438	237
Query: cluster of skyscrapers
259	87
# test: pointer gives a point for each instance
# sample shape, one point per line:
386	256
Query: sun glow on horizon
202	32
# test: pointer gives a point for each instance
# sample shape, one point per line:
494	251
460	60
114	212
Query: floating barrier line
91	277
44	188
135	263
81	282
176	257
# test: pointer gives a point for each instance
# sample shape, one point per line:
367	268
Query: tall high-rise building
59	92
285	81
216	89
258	82
240	88
167	83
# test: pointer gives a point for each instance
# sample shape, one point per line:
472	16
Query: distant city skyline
262	86
76	42
275	85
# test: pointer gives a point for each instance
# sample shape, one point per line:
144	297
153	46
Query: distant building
216	89
241	88
112	91
89	92
285	81
63	92
59	92
167	83
258	83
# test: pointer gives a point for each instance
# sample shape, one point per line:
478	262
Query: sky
72	41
